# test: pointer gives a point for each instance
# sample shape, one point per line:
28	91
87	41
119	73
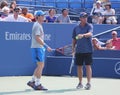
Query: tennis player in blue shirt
82	48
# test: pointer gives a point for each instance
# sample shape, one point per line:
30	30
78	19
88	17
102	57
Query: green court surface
60	85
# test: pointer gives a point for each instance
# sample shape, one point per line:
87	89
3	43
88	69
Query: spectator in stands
51	18
64	17
3	4
115	40
5	12
97	44
97	13
15	17
109	14
27	15
12	6
109	46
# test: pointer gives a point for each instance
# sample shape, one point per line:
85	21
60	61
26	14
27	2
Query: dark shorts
81	58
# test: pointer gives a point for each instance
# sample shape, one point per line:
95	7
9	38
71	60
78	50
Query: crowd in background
12	12
100	14
111	44
103	14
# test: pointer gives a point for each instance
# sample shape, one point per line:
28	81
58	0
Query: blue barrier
105	64
15	54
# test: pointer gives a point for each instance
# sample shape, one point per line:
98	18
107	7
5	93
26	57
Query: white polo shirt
11	18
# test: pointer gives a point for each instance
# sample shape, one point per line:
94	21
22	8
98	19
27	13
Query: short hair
64	9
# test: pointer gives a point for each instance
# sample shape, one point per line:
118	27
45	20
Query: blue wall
15	54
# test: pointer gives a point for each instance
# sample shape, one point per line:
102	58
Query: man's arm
87	35
73	45
39	40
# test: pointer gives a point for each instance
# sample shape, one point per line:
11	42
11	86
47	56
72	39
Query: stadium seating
49	2
28	2
88	3
75	4
115	3
62	3
23	1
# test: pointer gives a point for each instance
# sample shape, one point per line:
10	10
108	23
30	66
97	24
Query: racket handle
72	64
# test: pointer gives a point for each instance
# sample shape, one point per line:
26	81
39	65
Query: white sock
33	78
37	81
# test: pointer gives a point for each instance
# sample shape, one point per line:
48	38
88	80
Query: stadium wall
15	52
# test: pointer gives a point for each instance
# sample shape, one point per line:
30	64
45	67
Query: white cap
114	32
99	2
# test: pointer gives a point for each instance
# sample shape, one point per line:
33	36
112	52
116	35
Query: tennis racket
72	64
65	50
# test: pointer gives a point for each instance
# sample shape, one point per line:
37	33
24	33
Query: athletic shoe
88	86
79	86
40	87
31	84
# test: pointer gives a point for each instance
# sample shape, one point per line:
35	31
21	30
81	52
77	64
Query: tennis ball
76	37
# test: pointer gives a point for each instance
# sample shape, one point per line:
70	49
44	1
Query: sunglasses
113	34
84	16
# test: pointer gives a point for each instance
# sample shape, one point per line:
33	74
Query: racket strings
66	50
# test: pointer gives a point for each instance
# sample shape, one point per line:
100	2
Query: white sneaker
79	86
88	86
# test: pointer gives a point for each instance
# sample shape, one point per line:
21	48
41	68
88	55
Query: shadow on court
60	91
45	92
16	92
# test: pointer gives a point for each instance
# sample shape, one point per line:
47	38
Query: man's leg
88	73
38	74
39	69
80	75
89	76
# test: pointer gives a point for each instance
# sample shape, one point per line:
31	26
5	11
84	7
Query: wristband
45	45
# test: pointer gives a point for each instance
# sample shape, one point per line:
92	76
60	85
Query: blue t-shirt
51	19
83	45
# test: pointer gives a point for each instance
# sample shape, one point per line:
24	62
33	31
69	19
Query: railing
102	33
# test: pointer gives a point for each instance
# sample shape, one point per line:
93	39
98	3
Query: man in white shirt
97	13
15	17
109	14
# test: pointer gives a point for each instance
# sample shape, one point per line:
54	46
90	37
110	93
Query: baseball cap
98	2
83	15
114	33
39	13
